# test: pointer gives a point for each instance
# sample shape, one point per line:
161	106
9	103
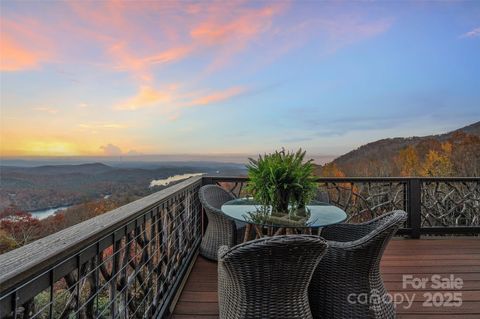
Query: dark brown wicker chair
352	266
268	277
322	196
220	230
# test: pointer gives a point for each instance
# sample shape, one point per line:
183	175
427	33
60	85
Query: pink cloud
146	97
141	67
218	96
135	37
140	38
232	28
15	57
21	48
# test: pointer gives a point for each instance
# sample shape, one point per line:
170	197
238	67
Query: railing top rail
36	257
359	179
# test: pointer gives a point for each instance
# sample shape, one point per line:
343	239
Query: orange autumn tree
408	162
331	170
438	163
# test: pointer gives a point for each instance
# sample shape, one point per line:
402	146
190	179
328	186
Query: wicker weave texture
352	266
322	196
268	277
220	230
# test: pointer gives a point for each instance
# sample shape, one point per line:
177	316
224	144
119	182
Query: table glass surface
317	214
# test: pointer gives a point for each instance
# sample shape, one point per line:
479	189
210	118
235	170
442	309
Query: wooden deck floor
420	258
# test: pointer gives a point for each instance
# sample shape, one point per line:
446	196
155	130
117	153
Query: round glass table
315	216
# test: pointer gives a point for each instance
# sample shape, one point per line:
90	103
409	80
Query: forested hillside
455	153
32	188
92	189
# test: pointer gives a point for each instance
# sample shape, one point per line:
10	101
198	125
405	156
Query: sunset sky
152	77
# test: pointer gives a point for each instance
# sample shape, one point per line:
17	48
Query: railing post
414	207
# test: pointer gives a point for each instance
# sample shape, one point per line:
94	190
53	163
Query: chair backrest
354	267
268	277
385	228
370	248
322	196
213	197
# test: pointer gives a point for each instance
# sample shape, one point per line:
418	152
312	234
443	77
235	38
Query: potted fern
283	181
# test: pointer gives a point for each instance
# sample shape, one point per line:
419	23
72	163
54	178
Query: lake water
175	178
44	213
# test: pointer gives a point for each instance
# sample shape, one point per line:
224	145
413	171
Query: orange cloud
169	55
14	57
245	26
147	97
218	96
170	102
20	47
234	32
140	67
135	36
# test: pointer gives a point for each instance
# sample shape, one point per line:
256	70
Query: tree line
458	155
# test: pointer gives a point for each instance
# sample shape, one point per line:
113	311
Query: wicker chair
352	266
322	196
220	230
268	277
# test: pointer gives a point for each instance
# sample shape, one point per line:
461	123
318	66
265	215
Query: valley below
42	190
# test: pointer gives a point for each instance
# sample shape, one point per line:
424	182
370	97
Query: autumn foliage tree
465	154
6	242
20	227
438	163
331	170
408	162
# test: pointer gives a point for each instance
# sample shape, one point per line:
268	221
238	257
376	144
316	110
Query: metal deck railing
130	262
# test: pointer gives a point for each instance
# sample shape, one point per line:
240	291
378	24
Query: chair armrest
370	229
345	232
222	251
352	232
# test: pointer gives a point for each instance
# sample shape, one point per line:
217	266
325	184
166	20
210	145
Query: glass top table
316	215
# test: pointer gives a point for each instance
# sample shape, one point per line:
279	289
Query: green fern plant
282	180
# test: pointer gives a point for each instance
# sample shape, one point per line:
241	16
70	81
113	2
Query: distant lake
44	213
174	178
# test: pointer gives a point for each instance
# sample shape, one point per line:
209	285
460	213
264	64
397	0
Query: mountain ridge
382	152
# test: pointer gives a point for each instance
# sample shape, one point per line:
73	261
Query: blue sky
118	78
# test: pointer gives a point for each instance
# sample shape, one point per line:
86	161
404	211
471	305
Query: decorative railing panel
435	205
130	268
362	199
450	203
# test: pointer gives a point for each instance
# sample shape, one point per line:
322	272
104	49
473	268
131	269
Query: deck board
420	258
